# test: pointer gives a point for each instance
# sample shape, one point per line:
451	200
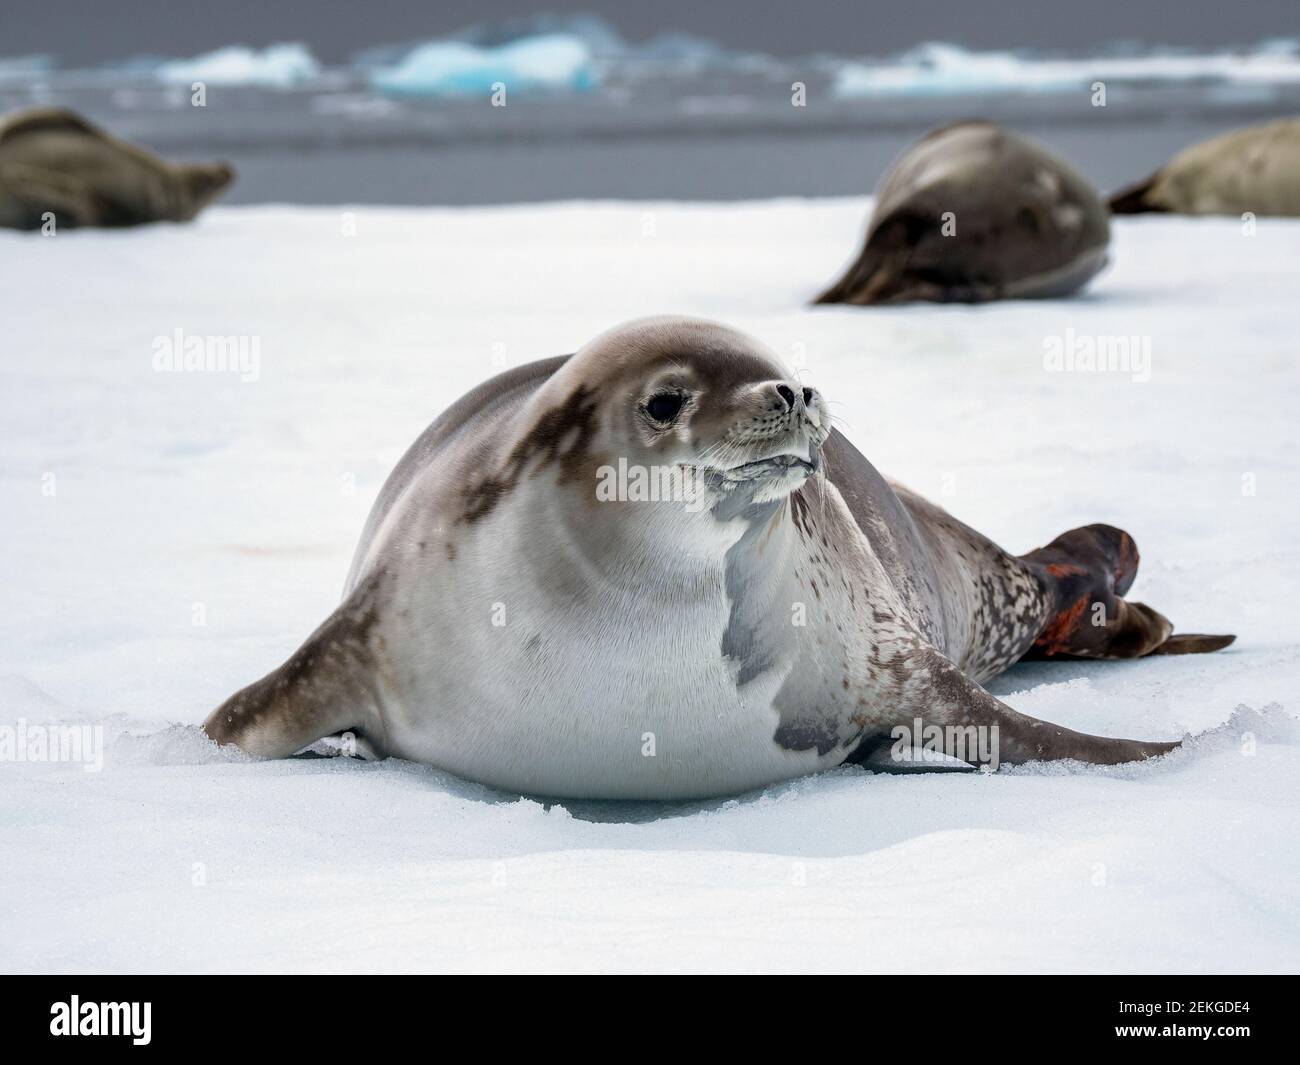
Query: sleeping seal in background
973	212
510	618
1255	169
53	161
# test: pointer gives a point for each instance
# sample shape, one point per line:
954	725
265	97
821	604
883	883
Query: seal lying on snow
973	212
55	162
521	613
1255	169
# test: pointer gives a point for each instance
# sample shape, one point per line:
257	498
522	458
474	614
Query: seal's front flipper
1136	199
942	709
327	687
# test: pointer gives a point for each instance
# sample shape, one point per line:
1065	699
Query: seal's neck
761	580
733	547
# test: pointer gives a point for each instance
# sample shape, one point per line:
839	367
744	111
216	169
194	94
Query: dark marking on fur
561	436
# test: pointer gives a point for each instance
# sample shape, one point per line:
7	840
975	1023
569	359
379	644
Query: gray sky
83	31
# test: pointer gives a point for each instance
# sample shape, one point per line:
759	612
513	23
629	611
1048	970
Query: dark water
711	139
736	167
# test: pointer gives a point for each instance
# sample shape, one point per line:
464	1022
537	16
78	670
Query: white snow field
170	536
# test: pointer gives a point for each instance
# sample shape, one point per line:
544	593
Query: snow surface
185	496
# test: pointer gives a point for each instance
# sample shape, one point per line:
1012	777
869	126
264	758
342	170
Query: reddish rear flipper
1087	571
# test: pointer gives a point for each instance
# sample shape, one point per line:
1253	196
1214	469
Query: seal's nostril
786	394
807	397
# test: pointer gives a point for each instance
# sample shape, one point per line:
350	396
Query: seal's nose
809	394
787	394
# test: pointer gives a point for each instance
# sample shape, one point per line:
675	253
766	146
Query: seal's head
201	183
693	400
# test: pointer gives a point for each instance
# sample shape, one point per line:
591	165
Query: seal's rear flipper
1086	572
868	280
881	273
1103	627
1193	643
1134	199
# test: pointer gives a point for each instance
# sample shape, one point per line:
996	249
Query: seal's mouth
784	470
773	467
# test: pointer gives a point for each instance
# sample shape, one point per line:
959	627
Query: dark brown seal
57	167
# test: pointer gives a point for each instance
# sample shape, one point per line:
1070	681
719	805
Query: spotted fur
503	622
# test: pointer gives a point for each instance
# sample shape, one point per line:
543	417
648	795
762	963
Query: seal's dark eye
664	407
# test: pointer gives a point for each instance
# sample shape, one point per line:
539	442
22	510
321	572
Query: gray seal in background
973	212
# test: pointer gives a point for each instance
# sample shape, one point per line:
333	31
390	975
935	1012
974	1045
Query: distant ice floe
577	53
938	69
277	66
556	53
25	67
556	62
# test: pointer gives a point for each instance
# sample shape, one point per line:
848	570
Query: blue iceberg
552	62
